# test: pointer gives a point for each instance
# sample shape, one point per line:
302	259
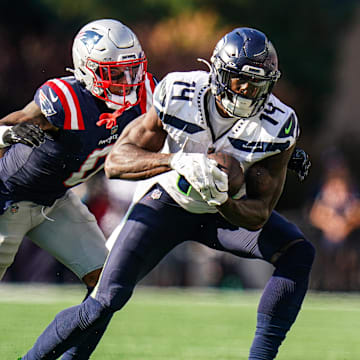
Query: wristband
3	129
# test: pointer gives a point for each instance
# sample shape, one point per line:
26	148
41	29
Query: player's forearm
30	114
264	185
133	163
14	118
248	213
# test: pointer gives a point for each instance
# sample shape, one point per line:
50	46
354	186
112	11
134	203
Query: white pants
67	230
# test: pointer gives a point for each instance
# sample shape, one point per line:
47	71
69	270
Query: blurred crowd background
318	44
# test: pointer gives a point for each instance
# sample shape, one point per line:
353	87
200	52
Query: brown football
232	168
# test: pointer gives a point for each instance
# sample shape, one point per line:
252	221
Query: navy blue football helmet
242	56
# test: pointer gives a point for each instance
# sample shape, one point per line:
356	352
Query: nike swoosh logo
287	130
52	97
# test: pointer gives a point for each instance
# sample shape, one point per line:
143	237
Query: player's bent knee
86	315
116	298
92	278
296	262
121	298
95	309
305	251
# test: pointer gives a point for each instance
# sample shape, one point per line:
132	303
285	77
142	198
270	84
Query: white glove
195	167
203	175
219	188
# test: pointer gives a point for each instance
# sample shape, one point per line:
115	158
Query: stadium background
318	48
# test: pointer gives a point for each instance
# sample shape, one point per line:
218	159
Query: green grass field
185	324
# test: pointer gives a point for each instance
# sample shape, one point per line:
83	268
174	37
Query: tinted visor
120	74
129	73
247	86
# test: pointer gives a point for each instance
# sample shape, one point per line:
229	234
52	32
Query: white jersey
183	102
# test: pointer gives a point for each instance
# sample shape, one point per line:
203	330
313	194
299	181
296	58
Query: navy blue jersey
75	153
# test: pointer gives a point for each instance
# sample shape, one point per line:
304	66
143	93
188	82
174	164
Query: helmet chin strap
110	119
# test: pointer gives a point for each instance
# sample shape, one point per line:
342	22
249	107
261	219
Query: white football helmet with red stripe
109	61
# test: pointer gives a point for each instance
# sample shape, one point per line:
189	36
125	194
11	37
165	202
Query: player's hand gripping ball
232	168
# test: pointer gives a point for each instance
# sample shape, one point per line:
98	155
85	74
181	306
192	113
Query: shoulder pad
177	87
59	103
290	128
280	120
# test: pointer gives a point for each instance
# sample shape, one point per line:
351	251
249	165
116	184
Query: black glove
24	133
300	163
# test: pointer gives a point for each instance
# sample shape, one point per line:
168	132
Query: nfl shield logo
156	194
114	129
14	209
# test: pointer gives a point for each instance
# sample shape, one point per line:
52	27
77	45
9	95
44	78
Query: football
232	168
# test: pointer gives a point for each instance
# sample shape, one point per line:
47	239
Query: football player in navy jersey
60	140
231	109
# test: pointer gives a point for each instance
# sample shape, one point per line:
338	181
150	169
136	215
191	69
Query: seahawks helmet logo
90	39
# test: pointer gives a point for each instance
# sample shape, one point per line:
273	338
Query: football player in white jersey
231	109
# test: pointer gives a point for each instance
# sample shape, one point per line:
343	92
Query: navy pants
154	227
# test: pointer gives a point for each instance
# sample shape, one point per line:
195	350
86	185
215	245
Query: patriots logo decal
90	39
46	105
